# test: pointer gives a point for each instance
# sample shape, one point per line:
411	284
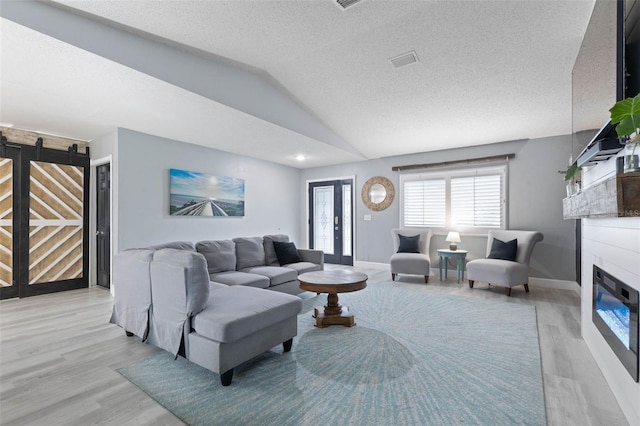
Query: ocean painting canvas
201	194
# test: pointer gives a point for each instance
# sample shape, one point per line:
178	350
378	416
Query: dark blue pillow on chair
409	244
503	250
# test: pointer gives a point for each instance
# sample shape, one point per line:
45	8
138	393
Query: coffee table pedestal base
344	317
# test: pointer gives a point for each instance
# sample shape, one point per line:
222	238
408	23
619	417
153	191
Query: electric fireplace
615	314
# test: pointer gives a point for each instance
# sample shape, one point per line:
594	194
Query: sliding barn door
44	222
8	287
56	204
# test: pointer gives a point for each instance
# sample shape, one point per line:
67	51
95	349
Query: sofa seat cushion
232	278
410	263
235	312
302	267
502	273
276	274
216	286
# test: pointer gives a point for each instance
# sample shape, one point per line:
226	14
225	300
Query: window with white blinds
466	199
424	203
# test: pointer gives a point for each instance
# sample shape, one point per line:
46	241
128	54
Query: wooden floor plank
59	355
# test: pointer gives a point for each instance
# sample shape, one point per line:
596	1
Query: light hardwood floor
59	355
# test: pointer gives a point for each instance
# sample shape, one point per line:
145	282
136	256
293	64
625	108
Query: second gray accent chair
505	273
417	263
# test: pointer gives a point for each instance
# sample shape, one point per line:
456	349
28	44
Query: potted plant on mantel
626	115
571	176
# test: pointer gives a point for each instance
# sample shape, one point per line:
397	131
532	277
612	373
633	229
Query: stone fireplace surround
612	244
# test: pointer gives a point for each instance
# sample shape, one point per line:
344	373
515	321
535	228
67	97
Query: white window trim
447	174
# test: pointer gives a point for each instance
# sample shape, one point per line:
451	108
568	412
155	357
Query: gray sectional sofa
167	296
253	262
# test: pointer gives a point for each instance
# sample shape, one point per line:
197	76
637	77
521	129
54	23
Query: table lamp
453	238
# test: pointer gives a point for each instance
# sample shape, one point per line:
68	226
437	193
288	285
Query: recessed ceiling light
300	157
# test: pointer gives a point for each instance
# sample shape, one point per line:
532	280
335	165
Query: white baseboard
551	283
372	265
435	272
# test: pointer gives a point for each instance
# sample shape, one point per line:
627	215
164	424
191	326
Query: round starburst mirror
377	193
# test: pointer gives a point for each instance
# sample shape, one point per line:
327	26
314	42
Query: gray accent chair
505	273
411	263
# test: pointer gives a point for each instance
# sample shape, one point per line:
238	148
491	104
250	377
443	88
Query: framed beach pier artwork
201	194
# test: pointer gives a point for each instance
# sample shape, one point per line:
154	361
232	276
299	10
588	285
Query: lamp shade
453	237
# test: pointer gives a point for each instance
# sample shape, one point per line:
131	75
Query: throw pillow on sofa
249	252
286	253
220	255
270	257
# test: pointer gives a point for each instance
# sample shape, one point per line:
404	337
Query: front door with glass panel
331	220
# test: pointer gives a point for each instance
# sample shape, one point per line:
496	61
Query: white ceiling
489	71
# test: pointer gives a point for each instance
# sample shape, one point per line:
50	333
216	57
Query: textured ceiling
488	72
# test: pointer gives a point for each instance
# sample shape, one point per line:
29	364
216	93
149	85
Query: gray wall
536	190
272	200
276	197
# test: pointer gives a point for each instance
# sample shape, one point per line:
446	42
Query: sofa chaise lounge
165	296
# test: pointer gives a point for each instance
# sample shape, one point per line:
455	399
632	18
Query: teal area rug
414	358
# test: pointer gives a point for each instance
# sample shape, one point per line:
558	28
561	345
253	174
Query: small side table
460	255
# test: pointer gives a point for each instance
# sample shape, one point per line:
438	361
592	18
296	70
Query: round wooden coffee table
333	282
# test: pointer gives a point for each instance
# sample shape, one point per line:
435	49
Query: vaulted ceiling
487	71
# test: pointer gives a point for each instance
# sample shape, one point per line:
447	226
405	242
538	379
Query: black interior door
331	220
103	227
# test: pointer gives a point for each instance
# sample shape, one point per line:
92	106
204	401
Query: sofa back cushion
132	286
270	257
179	290
195	283
178	245
249	252
220	255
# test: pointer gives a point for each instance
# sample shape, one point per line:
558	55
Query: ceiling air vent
404	59
346	3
